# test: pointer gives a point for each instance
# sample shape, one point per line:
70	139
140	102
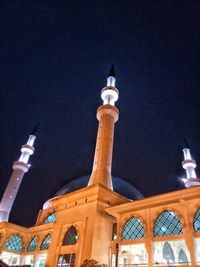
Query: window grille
133	229
14	243
167	223
196	223
51	218
46	242
70	237
33	244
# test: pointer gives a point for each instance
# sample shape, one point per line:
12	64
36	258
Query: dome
120	186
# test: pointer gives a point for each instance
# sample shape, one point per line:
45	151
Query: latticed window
196	223
133	229
167	223
66	260
46	242
14	243
168	254
51	218
70	237
33	244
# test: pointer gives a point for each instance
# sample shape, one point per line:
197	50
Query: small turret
189	164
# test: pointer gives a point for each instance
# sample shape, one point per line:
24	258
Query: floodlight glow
24	157
31	140
109	95
186	153
28	149
111	81
189	164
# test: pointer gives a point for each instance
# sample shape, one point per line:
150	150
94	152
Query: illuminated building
95	222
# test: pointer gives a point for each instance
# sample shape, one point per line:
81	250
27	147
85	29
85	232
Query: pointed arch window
133	229
15	243
167	223
50	218
32	246
182	257
46	242
168	254
196	222
71	237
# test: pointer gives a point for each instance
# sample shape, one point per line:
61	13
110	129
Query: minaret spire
19	168
189	165
107	114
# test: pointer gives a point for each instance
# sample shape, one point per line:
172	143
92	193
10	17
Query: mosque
102	217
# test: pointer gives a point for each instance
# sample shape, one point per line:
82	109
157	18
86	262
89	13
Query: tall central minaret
19	168
107	114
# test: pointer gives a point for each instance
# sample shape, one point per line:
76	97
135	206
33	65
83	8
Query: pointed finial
34	129
185	143
112	71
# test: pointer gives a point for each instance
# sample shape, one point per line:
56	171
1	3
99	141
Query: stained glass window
33	244
168	254
133	229
14	243
51	218
46	242
70	237
66	260
167	223
196	223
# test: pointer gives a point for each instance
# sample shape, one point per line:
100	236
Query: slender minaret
19	168
107	114
189	165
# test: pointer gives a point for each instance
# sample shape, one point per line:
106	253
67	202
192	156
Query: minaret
19	168
189	165
107	114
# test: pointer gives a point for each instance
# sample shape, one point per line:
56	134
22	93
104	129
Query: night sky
54	60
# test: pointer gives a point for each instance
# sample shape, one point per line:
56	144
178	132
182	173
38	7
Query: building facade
97	223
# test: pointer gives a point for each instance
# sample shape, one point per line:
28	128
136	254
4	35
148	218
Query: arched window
133	229
46	242
182	257
168	254
51	218
70	237
14	243
32	246
196	223
167	223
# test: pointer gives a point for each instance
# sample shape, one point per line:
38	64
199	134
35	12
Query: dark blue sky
54	59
